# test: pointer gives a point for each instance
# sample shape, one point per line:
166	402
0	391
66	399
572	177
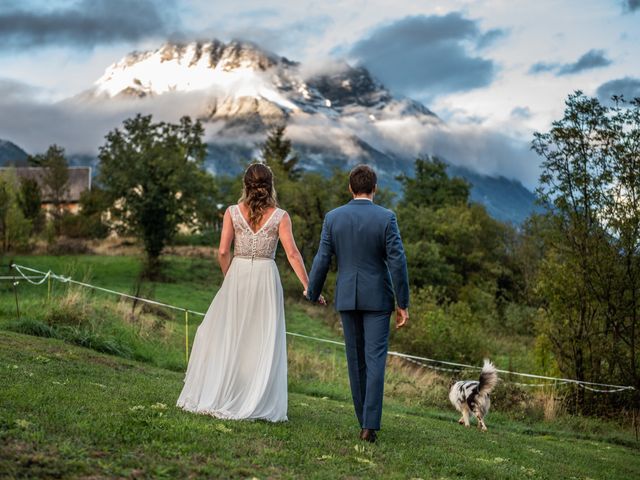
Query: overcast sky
503	65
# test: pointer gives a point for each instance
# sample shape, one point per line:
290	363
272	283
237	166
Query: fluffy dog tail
488	378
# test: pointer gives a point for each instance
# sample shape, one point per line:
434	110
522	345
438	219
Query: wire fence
49	276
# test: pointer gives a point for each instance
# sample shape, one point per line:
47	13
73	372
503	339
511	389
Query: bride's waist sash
249	257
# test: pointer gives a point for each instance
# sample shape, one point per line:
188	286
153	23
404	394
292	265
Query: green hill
72	412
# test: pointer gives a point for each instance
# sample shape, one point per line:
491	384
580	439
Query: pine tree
30	201
277	152
55	179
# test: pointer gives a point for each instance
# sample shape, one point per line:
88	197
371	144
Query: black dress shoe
368	435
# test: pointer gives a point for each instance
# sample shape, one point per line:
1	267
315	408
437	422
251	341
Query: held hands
321	299
402	317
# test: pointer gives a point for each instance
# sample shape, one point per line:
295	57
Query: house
79	181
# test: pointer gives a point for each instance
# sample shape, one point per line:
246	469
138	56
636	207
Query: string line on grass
424	361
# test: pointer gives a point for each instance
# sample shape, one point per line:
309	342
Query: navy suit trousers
366	336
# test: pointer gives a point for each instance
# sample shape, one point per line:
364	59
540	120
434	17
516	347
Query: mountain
336	117
11	154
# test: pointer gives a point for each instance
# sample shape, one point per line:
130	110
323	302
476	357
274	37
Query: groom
371	265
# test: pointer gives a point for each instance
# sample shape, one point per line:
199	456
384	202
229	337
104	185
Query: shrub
68	246
72	308
450	331
83	226
206	238
29	326
520	319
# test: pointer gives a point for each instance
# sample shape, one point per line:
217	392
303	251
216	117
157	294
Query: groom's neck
363	196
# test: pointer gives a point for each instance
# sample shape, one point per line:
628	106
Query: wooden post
186	336
15	292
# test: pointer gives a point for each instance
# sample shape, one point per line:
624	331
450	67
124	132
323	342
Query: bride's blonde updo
258	192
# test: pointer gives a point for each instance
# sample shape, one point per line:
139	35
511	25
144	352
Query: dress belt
249	257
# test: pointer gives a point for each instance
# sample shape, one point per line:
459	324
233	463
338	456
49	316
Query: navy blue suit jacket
372	264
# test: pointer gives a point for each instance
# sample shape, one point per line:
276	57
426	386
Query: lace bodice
261	244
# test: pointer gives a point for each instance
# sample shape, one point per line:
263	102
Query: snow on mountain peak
240	78
236	69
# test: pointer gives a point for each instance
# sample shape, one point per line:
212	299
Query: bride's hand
321	299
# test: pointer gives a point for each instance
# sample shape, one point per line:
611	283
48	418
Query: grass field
72	412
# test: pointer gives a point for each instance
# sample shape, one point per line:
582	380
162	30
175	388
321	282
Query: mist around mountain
337	116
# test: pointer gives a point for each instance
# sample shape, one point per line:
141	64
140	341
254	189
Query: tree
152	174
590	275
55	179
277	152
30	201
431	186
14	227
450	242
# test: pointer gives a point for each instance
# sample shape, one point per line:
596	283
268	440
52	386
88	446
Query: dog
471	396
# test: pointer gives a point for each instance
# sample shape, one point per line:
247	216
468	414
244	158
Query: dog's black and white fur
471	396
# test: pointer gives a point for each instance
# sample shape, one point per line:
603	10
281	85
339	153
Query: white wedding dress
238	365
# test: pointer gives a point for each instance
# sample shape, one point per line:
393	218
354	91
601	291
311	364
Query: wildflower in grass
366	461
137	408
42	359
159	406
24	424
530	472
221	428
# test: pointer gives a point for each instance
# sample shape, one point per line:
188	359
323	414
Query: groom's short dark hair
362	179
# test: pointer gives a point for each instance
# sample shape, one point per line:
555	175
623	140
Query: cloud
490	37
428	55
630	6
80	127
476	147
521	112
542	67
284	39
628	87
13	90
590	60
86	23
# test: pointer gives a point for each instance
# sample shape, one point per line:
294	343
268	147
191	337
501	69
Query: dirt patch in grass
18	457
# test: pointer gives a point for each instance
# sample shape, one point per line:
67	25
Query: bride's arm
293	254
226	237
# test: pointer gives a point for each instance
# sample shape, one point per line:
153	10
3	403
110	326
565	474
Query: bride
238	365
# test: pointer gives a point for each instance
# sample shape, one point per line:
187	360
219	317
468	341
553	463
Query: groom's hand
402	317
321	300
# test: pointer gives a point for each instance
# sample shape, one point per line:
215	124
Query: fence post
186	336
15	292
49	288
